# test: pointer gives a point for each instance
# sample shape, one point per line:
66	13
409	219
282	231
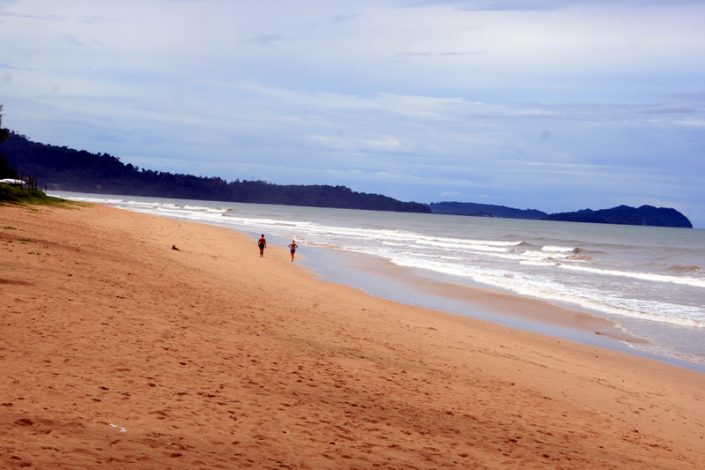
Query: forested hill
622	215
62	168
626	215
484	210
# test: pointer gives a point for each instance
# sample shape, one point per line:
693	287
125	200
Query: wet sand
118	351
496	306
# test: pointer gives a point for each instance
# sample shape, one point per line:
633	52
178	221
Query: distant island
621	215
62	168
626	215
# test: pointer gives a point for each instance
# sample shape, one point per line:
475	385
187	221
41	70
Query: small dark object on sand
173	247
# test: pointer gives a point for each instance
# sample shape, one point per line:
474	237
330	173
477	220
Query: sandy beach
121	352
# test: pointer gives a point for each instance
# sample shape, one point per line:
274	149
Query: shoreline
666	342
506	309
209	356
491	305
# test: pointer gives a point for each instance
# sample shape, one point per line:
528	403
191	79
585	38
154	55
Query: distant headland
626	215
62	168
621	215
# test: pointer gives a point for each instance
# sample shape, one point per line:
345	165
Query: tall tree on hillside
6	170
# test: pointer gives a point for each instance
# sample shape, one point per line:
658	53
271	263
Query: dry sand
117	351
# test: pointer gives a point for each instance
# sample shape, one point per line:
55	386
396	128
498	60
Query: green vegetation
28	193
17	194
6	170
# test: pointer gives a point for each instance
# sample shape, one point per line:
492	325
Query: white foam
204	209
464	246
684	280
540	255
558	249
94	200
546	289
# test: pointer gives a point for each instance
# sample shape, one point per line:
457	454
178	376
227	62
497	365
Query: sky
545	104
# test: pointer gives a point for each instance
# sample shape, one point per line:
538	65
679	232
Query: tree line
63	168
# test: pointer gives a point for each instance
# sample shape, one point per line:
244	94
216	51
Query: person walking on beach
292	247
262	244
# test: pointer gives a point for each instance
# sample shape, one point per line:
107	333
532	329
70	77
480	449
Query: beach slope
119	351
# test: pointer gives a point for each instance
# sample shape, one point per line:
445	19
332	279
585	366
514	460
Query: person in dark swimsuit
262	244
292	247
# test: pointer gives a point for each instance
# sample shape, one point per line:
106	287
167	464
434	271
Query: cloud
73	41
266	40
358	144
693	122
344	18
419	107
670	109
542	5
45	17
491	5
440	54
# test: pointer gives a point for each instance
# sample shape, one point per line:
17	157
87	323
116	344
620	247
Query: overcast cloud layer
553	105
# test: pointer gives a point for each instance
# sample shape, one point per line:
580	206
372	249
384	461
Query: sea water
650	280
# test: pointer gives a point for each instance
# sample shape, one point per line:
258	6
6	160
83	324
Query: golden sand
117	351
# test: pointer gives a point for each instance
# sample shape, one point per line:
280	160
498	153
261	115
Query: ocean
649	280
